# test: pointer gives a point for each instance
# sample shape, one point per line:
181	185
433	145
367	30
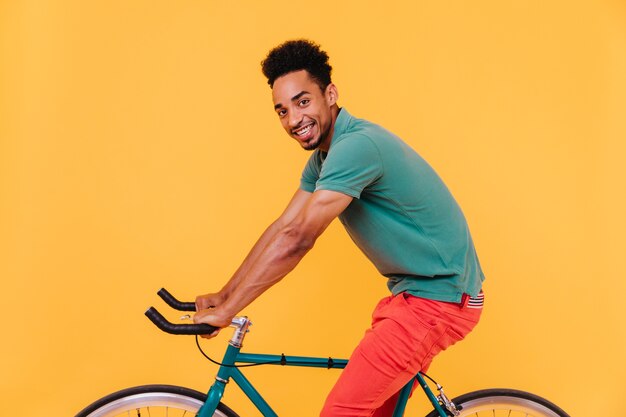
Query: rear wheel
504	403
152	401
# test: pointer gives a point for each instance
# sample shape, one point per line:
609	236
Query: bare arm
277	252
296	203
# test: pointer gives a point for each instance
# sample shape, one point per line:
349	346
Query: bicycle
170	399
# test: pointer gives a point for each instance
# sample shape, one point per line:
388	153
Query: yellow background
139	149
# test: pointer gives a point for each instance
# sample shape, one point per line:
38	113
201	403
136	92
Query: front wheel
153	401
504	402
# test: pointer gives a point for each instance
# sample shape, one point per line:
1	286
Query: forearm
250	259
283	251
276	253
294	207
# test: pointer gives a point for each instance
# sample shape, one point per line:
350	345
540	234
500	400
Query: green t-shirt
403	217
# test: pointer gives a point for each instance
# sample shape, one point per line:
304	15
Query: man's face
304	109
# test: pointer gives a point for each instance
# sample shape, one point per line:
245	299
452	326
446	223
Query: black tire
169	397
487	402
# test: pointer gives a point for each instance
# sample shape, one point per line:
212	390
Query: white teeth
304	131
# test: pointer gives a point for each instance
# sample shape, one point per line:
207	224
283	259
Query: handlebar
174	303
183	329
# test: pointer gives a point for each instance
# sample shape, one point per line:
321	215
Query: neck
325	145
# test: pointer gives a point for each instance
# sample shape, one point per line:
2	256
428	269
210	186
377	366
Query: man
395	208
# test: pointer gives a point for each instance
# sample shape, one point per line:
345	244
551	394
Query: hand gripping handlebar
166	326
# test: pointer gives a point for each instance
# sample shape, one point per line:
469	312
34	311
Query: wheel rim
506	407
152	404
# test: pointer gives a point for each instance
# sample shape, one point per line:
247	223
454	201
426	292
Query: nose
295	117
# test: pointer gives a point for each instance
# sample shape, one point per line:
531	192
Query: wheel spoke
152	401
504	403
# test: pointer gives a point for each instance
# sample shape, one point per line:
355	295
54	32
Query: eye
281	112
304	102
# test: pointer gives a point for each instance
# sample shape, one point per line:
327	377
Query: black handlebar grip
174	303
184	329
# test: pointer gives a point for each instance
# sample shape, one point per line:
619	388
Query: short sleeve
351	165
310	173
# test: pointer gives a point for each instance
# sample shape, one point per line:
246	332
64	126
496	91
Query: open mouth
304	131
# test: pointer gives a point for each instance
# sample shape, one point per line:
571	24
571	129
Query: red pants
406	333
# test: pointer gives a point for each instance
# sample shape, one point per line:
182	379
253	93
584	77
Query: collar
341	125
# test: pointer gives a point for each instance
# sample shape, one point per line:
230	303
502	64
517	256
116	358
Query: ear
331	93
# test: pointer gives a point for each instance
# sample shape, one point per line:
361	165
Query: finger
204	316
202	302
199	303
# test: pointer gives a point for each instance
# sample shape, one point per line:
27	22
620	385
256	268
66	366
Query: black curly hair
295	55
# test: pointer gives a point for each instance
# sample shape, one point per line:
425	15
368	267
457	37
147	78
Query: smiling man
397	211
310	114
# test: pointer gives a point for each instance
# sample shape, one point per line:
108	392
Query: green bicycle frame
228	371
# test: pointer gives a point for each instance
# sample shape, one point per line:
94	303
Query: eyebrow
294	98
